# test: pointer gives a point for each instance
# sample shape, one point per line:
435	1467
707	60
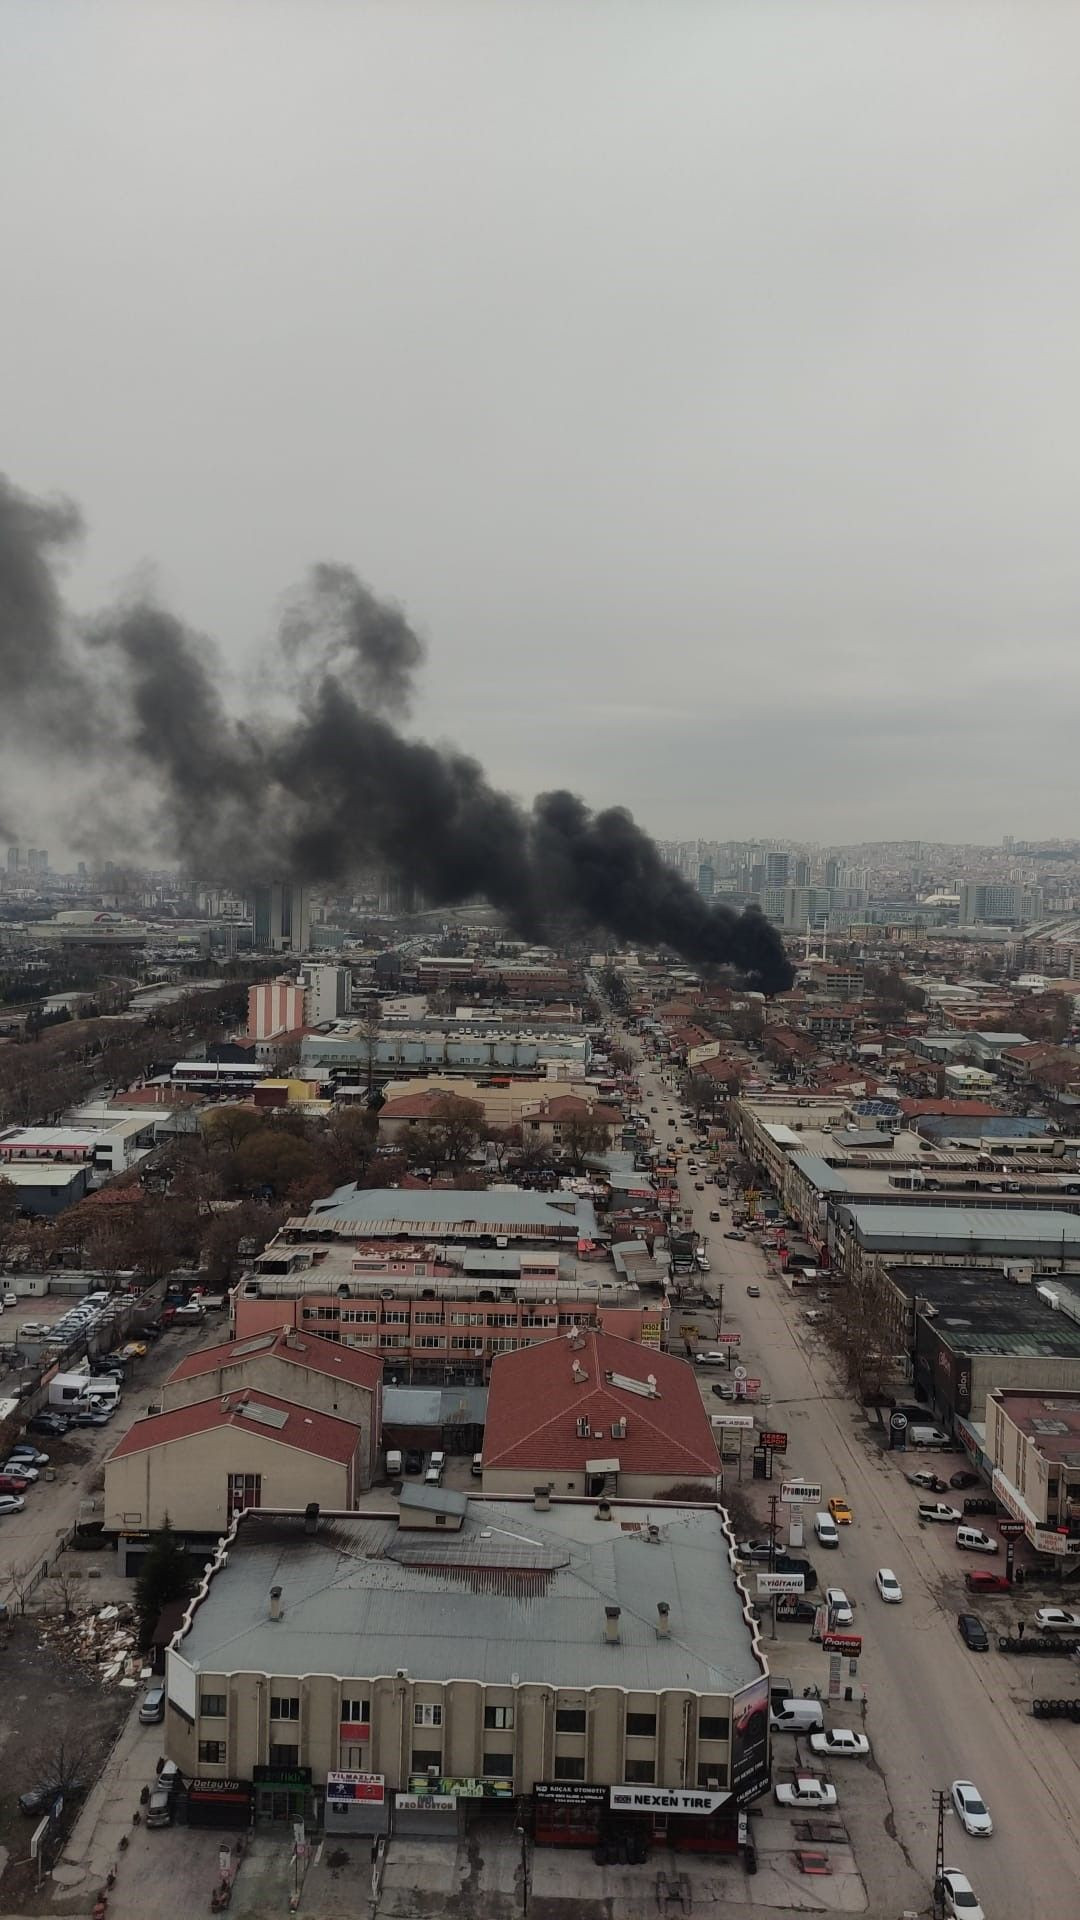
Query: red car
983	1581
14	1483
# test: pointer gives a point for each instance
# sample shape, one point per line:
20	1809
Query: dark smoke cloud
337	786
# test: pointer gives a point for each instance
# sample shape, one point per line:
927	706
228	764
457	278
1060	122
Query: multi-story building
1033	1446
593	1666
281	920
998	903
274	1006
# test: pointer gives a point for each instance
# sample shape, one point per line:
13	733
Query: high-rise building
801	871
274	1006
998	904
280	918
706	880
37	859
13	859
329	992
832	871
777	866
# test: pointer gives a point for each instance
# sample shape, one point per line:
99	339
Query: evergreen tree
165	1575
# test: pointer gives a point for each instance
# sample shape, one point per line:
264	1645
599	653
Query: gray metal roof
432	1499
983	1229
515	1595
436	1209
819	1173
434	1406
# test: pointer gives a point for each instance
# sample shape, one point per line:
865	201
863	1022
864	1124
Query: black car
794	1563
414	1462
153	1330
790	1607
39	1799
972	1632
55	1423
963	1479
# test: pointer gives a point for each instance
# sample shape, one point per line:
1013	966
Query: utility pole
773	1504
939	1855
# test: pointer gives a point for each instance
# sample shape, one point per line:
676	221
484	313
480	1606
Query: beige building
595	1657
201	1464
1033	1442
407	1101
283	1418
595	1415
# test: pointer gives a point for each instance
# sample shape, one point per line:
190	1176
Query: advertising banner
750	1737
794	1491
769	1583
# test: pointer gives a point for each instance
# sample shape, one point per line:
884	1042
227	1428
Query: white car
711	1359
806	1790
960	1901
840	1612
935	1510
11	1503
21	1466
1057	1620
11	1299
888	1585
973	1814
841	1743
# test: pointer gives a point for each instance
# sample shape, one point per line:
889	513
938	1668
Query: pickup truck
805	1791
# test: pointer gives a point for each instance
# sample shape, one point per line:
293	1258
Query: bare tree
64	1583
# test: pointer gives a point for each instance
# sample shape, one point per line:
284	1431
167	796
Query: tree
348	1142
272	1162
165	1575
226	1128
582	1139
700	1093
502	1141
9	1200
452	1132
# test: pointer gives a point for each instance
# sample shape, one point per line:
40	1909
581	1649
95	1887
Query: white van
393	1463
826	1530
797	1716
975	1540
477	1468
927	1437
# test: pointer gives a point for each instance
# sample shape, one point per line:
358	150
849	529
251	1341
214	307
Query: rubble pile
102	1641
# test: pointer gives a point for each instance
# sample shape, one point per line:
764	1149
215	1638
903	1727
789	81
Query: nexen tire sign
665	1800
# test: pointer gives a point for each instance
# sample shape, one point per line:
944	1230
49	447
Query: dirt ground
44	1704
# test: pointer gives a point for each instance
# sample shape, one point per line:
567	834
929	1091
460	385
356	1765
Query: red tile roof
320	1433
299	1349
535	1402
410	1106
571	1106
951	1109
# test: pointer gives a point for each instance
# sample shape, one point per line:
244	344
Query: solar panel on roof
266	1416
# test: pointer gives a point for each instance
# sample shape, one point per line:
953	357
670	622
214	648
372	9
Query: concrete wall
188	1480
301	1386
504	1484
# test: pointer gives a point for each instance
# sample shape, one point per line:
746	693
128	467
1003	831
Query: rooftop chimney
311	1517
275	1603
611	1625
542	1499
663	1624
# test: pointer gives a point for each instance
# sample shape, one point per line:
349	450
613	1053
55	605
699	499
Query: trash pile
103	1641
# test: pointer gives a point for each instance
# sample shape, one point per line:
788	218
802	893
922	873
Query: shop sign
768	1583
356	1786
569	1793
1010	1529
729	1339
425	1802
745	1420
777	1442
849	1643
354	1730
282	1776
461	1788
794	1491
219	1790
665	1800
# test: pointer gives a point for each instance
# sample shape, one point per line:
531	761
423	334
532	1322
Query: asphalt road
936	1712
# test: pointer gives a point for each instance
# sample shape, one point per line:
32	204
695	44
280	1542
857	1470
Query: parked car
790	1607
11	1503
10	1299
24	1451
981	1580
712	1357
15	1482
974	1540
20	1468
963	1479
840	1608
152	1706
840	1511
973	1815
806	1790
958	1896
93	1416
888	1585
54	1423
160	1808
933	1510
151	1330
930	1482
840	1743
754	1292
1057	1619
972	1632
39	1798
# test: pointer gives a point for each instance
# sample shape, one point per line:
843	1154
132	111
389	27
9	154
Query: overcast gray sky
703	378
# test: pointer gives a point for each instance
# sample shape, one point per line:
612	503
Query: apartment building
1033	1445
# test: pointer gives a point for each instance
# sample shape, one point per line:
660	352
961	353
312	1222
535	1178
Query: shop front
356	1803
569	1813
433	1806
217	1803
283	1796
629	1820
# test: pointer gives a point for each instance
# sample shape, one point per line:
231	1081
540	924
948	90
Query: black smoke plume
138	698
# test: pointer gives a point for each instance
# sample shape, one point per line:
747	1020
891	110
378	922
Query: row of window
639	1726
286	1706
400	1317
499	1765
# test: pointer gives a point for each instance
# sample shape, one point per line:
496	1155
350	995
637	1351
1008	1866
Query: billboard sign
776	1442
744	1420
849	1643
356	1786
750	1736
795	1491
769	1583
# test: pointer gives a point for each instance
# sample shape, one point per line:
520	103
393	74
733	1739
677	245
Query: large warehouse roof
1010	1231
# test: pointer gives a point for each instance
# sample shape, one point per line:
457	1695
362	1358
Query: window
428	1319
466	1319
352	1758
245	1490
284	1706
498	1717
643	1771
467	1343
212	1752
712	1726
566	1769
425	1757
427	1714
283	1756
363	1314
569	1720
429	1340
641	1723
326	1313
710	1773
212	1705
395	1316
356	1711
502	1319
499	1763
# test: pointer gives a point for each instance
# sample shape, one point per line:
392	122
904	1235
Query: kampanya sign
665	1800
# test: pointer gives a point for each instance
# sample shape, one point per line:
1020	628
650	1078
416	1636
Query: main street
936	1712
